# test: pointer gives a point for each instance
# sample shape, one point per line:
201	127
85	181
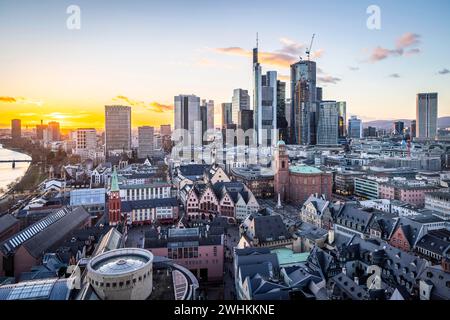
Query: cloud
407	40
152	106
444	71
394	75
402	48
20	100
329	79
284	57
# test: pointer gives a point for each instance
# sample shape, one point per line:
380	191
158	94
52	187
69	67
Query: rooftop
288	257
303	169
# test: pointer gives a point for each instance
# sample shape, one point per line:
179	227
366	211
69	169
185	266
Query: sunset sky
143	53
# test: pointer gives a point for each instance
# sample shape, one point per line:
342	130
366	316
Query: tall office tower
245	120
328	124
16	129
413	129
85	141
319	94
227	114
282	123
342	109
304	98
399	126
40	130
54	132
370	132
117	129
204	119
426	115
355	130
288	119
146	140
165	130
210	114
268	109
241	101
187	114
257	95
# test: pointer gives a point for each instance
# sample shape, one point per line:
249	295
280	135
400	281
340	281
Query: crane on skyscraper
308	50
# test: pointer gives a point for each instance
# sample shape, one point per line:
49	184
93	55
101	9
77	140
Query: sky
143	53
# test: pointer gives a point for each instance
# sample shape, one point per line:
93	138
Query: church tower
281	179
114	203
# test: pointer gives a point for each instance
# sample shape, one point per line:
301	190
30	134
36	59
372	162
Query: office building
85	141
328	124
245	120
241	101
304	98
204	119
267	114
53	133
355	130
165	130
413	129
227	109
117	129
16	129
282	123
342	109
399	127
209	113
146	140
187	113
40	131
426	115
370	132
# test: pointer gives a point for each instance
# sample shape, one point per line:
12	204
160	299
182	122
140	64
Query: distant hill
443	122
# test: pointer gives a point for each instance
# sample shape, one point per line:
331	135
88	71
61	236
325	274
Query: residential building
409	191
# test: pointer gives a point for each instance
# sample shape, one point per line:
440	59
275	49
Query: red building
297	183
399	239
114	202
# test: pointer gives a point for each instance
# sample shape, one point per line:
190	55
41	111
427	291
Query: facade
53	131
114	202
246	118
16	129
241	101
187	113
303	104
366	188
439	202
295	183
146	141
122	274
317	212
267	115
342	123
426	115
227	109
328	124
85	142
282	123
200	251
399	127
413	129
355	129
412	194
117	129
259	180
145	212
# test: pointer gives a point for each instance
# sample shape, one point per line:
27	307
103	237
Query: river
7	173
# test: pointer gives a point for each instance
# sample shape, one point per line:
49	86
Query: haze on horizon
142	54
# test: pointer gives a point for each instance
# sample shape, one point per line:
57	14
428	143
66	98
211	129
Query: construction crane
308	50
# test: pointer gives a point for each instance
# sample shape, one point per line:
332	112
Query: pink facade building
197	250
412	194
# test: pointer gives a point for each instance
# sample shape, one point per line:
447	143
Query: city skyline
55	74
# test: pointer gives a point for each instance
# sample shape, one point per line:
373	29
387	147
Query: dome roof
281	143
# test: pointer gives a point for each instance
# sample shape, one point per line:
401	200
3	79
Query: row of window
119	284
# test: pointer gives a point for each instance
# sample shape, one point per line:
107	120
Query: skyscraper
227	114
328	124
257	95
204	119
426	115
241	101
245	120
303	104
413	129
282	124
187	113
165	130
117	129
268	109
399	126
209	105
355	130
342	109
146	137
40	131
16	129
54	131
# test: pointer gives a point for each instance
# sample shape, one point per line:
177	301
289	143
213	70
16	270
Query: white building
85	142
